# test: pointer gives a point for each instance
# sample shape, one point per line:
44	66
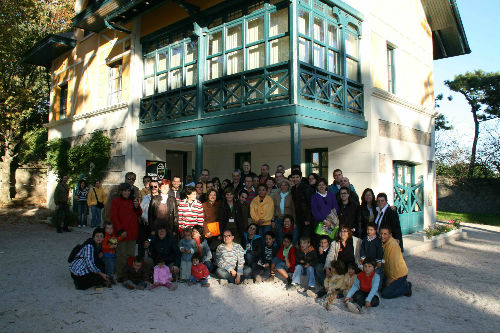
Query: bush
438	229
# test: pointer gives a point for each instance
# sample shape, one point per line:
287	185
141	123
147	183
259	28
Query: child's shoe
354	308
223	282
259	279
190	283
270	279
247	281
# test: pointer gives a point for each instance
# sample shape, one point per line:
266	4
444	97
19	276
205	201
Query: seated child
109	250
324	246
288	228
305	260
349	277
187	246
372	247
334	282
364	291
284	261
162	276
262	269
199	272
203	248
137	275
329	226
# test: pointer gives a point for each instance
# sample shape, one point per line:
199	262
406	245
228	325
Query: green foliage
477	218
89	159
440	122
460	171
441	228
34	148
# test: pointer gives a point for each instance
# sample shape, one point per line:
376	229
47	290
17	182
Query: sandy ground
455	289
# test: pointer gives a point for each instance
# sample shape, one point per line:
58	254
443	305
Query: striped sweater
230	259
190	215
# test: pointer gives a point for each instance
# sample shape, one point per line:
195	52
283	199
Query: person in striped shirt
230	260
190	210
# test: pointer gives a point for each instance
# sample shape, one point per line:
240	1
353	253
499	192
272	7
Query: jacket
199	271
394	264
165	249
334	251
375	281
253	246
349	214
162	274
101	196
225	214
262	209
61	194
291	256
364	219
124	216
391	219
310	257
289	207
108	241
321	206
301	195
136	276
210	214
170	221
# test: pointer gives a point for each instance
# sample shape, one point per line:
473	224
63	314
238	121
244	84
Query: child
162	276
324	246
187	246
203	248
364	291
262	269
109	245
349	277
137	275
199	272
284	261
372	247
305	258
334	282
288	228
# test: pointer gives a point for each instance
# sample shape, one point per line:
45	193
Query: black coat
301	195
364	218
225	214
165	249
349	214
391	219
171	222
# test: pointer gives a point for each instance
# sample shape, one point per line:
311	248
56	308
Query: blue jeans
299	270
280	264
109	263
96	216
82	212
210	265
263	229
202	281
397	288
222	273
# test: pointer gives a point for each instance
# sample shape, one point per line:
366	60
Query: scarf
282	202
381	213
286	250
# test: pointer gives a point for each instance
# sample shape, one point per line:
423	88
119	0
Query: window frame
391	70
112	79
63	100
309	155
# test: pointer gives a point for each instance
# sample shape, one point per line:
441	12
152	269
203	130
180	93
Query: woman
345	247
348	212
96	200
82	208
245	207
190	210
210	210
322	204
230	215
162	210
253	245
313	180
271	186
283	205
87	267
367	211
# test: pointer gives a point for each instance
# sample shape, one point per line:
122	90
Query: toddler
364	291
349	277
305	260
187	246
162	276
334	282
137	275
109	245
284	261
324	247
199	272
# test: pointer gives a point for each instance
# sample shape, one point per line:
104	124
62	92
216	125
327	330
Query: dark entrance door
176	164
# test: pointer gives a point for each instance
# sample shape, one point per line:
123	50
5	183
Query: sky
481	21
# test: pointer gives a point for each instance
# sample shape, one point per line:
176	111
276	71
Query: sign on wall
156	169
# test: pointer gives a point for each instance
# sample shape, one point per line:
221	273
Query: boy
187	246
137	275
199	272
284	261
372	247
262	269
364	291
305	258
109	245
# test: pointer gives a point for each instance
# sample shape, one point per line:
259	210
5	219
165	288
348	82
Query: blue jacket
254	246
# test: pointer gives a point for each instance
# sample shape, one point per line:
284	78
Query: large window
63	101
317	162
115	83
352	53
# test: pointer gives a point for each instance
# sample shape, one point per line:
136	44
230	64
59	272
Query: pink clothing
162	275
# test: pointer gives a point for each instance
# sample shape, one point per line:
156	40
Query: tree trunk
5	177
474	145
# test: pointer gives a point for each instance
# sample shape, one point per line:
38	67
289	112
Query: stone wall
31	184
469	196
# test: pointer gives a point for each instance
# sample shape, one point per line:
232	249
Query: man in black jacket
165	247
388	217
301	195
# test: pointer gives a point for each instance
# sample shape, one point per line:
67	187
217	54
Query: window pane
333	62
191	75
215	43
256	56
333	36
162	82
319	55
352	69
279	22
176	56
191	51
149	86
255	30
280	50
233	37
162	61
176	78
214	68
303	49
235	62
149	65
303	22
351	45
319	32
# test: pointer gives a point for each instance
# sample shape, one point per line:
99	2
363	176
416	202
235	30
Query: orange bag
213	228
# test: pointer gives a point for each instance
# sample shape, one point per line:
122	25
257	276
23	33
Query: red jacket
291	256
106	243
124	216
199	271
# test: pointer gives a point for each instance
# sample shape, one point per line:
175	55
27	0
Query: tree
489	151
440	122
482	92
24	89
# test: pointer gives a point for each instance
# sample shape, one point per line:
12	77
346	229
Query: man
164	247
144	227
246	171
204	179
280	168
262	210
230	260
237	186
335	187
344	182
394	282
61	195
387	216
175	190
200	196
279	177
264	173
301	196
250	189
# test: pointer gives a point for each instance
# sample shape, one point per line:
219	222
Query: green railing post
199	156
200	68
295	143
294	59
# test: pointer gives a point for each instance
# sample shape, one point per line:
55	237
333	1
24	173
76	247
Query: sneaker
408	294
270	279
291	287
259	279
79	226
311	293
354	308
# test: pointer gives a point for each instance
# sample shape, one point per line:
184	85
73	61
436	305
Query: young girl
288	228
162	276
187	246
202	248
284	261
364	291
199	272
334	282
109	245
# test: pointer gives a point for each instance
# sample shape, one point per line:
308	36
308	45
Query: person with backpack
86	267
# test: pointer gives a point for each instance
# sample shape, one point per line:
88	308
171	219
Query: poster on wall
156	169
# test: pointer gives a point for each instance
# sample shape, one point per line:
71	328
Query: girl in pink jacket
162	276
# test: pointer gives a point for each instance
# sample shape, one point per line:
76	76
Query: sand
455	289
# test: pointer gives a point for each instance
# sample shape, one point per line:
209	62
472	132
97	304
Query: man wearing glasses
230	260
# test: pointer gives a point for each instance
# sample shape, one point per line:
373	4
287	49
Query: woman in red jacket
124	214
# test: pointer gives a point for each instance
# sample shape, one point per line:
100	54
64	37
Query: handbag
213	228
99	205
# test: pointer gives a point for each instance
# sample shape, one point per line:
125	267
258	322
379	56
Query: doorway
176	164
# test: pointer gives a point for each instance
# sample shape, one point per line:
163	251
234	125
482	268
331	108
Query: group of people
250	229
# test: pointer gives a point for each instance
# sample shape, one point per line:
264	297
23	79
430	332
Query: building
209	83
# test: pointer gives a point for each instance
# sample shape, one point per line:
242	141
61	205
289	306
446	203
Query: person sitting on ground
262	210
109	245
324	246
202	248
86	268
305	260
253	245
364	291
199	272
288	228
136	276
230	259
162	277
164	247
262	270
334	282
284	261
387	216
372	246
394	282
349	277
345	247
187	246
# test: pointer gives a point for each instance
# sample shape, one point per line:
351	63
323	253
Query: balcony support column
199	156
295	143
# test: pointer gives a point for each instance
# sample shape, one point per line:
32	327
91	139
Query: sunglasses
130	178
154	186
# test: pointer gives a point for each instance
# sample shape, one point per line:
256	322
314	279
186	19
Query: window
317	161
115	83
239	158
63	101
352	53
390	70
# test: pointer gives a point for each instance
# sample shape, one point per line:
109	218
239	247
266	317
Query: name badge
231	220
